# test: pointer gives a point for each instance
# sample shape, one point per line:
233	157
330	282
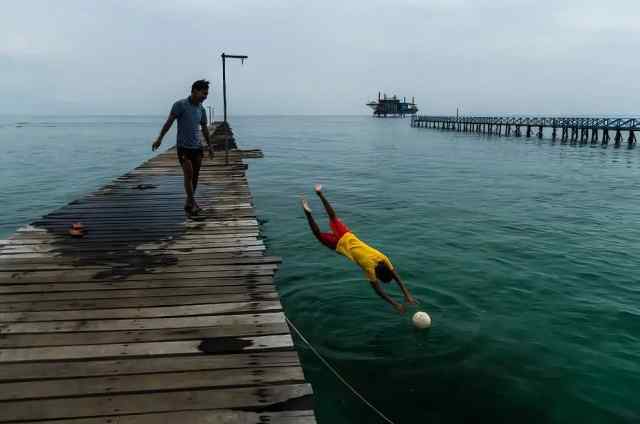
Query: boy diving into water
375	265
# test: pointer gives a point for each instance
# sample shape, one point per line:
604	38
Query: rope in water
337	374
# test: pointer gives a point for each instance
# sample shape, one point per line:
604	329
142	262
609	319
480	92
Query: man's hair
200	85
383	272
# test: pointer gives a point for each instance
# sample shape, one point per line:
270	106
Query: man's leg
325	202
196	163
187	171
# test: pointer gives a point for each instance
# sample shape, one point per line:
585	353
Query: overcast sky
325	57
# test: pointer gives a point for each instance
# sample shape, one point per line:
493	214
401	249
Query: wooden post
632	138
618	137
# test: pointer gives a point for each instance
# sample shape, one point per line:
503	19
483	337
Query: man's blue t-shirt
189	117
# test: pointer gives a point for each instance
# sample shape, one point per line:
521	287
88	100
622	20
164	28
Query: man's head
200	91
383	272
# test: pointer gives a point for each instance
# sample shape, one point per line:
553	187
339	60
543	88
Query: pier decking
152	317
572	129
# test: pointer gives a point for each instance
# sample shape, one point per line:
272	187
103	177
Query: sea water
523	251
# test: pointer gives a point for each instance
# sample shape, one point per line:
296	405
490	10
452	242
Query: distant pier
567	129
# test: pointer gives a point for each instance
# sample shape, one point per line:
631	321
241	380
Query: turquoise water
523	251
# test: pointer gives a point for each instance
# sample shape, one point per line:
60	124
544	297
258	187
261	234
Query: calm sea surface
524	252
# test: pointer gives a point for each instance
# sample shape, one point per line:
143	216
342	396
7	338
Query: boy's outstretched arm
376	287
407	296
312	223
325	202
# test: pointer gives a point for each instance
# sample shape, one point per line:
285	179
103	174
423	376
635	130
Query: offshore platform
392	107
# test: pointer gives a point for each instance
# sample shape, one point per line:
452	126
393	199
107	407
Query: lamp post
224	97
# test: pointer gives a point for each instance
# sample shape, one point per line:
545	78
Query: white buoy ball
421	319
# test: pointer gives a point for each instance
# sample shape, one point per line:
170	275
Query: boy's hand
410	300
305	204
318	188
399	307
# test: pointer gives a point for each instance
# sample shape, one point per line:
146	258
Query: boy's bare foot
318	188
305	204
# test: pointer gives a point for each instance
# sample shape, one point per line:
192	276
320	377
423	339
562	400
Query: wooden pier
573	130
151	317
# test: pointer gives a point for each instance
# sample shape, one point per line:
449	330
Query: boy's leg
325	202
328	239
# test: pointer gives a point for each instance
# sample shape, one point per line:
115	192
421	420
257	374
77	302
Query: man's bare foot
410	300
318	188
305	204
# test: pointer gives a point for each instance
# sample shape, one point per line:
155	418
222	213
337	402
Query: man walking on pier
375	264
190	114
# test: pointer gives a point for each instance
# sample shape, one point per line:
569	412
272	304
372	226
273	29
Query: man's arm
407	296
207	137
376	287
165	128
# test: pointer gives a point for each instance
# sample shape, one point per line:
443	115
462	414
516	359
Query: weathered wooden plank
122	259
220	198
70	326
124	239
121	212
257	293
138	273
80	274
151	312
69	245
21	371
133	284
98	263
91	406
135	336
215	416
125	293
215	345
219	223
69	248
200	379
169	251
122	221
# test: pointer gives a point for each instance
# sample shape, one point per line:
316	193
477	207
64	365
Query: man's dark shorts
192	155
